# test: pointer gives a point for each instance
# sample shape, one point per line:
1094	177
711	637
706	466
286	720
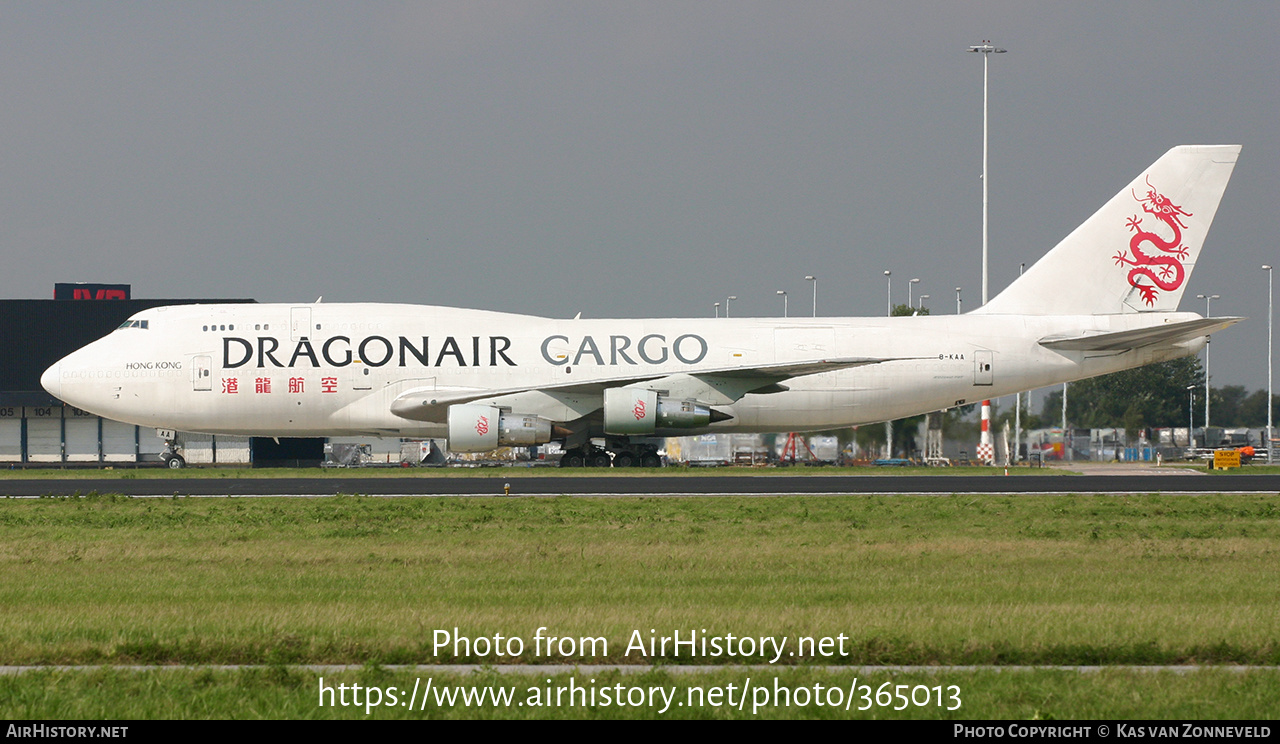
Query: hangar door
44	434
119	441
11	434
82	436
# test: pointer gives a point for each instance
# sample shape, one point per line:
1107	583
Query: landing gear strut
624	455
170	456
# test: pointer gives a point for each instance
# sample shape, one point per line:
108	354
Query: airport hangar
38	430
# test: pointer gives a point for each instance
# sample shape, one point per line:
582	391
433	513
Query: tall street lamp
986	49
717	309
729	299
1207	299
784	302
888	311
957	300
1270	315
814	279
910	285
920	302
1191	417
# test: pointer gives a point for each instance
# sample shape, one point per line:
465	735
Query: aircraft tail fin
1136	253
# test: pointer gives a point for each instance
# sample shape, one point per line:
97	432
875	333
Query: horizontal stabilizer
1169	333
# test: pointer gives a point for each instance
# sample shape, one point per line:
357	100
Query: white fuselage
335	369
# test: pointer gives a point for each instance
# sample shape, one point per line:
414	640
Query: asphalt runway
622	485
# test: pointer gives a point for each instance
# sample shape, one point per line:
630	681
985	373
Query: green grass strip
908	580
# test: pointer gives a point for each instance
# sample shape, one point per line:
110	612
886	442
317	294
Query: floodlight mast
1207	299
986	49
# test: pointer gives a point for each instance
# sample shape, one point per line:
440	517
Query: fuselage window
223	328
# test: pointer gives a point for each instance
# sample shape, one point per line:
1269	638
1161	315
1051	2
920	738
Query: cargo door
802	344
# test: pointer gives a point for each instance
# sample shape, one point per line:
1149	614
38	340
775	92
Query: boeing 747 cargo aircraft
1104	299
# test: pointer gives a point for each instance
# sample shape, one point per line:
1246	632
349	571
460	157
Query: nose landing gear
170	456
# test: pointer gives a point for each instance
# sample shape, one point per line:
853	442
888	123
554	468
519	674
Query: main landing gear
618	455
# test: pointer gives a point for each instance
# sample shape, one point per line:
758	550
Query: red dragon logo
1164	271
482	426
639	410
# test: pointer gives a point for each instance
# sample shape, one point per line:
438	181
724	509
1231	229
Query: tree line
1157	395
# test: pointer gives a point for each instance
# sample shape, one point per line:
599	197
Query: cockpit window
133	324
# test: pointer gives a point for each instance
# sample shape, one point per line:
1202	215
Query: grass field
281	692
908	580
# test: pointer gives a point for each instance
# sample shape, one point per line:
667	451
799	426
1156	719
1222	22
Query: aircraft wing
1169	333
720	386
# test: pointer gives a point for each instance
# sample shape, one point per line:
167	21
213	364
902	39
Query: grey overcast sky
617	158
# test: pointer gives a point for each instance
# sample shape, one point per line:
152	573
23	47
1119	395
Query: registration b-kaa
1104	299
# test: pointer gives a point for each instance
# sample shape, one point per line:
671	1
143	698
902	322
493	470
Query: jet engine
479	428
632	411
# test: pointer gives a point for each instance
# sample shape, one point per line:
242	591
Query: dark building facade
35	427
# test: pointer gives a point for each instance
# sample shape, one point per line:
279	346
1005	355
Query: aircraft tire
573	459
600	460
175	463
625	459
650	461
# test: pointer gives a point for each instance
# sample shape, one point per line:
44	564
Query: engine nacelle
478	428
637	412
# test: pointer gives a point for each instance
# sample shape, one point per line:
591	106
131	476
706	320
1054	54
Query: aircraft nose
51	380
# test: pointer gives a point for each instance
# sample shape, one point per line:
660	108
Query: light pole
920	302
1066	449
784	302
888	311
1191	417
1207	299
986	50
1270	315
717	309
957	300
910	285
814	279
729	299
1017	408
